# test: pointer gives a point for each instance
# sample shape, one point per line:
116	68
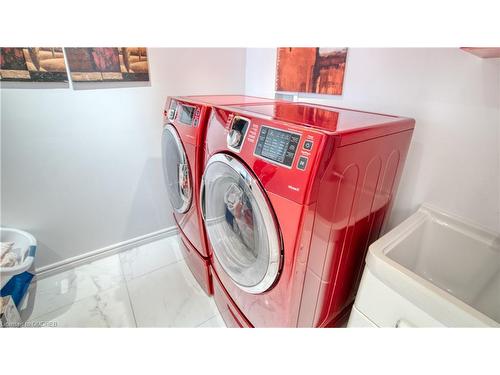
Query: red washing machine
291	197
185	120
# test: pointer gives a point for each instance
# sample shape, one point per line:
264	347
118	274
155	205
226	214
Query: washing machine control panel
183	113
278	146
188	114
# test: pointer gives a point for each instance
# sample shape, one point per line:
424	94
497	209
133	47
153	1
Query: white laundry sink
431	270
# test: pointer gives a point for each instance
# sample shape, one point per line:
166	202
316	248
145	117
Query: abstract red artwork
311	70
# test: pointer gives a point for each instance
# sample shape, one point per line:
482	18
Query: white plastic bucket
24	247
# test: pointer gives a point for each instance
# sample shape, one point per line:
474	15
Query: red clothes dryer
291	197
185	120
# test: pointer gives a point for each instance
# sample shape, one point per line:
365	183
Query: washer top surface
331	119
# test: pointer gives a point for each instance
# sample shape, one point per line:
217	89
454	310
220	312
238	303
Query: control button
308	145
302	163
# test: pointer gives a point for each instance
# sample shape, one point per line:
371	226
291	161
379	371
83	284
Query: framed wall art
40	64
311	70
108	64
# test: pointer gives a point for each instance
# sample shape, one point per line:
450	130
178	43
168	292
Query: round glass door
240	224
176	170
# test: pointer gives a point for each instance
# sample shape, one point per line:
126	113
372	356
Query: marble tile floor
147	286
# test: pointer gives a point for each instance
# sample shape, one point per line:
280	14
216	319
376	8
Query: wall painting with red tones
108	64
311	70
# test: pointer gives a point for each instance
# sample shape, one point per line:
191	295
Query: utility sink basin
433	269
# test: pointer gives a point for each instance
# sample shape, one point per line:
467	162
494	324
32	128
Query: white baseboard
103	252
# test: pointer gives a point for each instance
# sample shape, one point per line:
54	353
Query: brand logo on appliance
293	188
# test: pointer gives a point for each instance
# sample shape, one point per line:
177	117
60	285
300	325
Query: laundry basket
14	281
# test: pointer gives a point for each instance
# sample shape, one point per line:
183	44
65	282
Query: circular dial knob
234	138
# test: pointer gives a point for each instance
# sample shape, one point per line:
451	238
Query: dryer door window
240	224
176	170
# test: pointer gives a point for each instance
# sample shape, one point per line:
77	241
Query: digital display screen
277	145
186	114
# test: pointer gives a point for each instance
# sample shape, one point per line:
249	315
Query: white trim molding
93	255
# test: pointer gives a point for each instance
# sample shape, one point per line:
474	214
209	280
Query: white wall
81	169
454	159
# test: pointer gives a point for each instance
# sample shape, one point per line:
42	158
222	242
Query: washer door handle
184	182
202	198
